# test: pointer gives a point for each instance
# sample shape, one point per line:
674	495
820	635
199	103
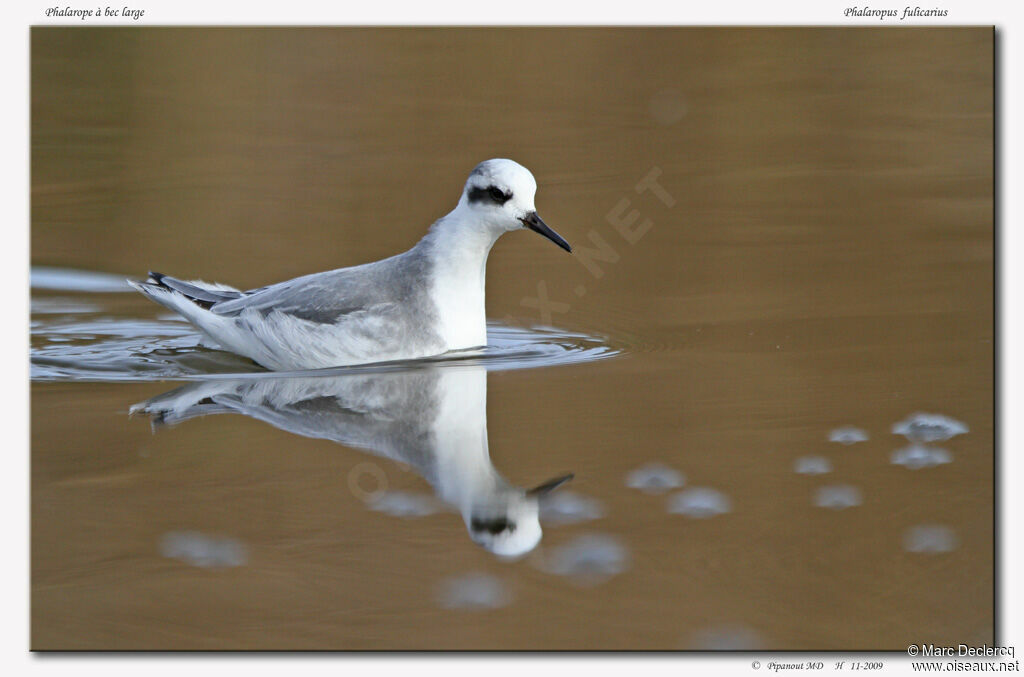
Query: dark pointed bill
534	223
549	486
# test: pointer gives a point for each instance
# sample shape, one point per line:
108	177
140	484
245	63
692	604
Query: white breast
458	293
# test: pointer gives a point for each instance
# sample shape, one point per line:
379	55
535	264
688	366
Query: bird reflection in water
431	419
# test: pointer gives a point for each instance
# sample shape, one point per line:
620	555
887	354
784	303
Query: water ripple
66	279
201	550
81	336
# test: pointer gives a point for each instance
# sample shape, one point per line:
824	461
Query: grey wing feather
325	297
321	298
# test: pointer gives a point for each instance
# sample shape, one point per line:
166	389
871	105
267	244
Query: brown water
819	253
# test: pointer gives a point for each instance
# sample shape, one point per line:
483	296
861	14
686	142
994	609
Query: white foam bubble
838	496
568	507
726	638
917	456
699	503
589	559
930	539
655	478
812	465
848	435
922	427
405	504
473	592
200	550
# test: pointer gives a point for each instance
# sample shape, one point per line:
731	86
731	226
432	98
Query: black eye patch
492	526
491	194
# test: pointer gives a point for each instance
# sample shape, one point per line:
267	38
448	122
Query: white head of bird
499	196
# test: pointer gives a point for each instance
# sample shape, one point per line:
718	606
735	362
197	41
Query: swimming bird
424	302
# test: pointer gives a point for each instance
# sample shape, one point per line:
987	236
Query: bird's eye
497	195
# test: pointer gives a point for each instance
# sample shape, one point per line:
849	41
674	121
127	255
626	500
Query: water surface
778	234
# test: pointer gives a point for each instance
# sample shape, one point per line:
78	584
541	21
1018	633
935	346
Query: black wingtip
157	277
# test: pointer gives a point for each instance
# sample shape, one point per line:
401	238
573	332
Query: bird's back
374	312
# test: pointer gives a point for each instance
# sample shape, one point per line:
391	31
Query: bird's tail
201	294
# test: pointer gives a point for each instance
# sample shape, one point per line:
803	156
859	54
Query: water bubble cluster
922	427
